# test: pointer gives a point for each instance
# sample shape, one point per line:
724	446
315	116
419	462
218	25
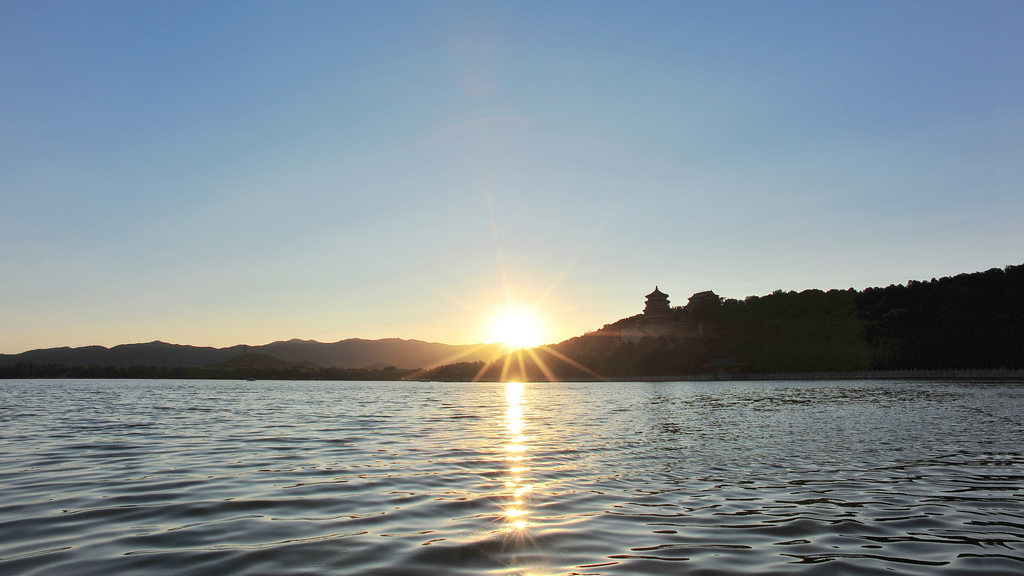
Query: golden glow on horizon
516	328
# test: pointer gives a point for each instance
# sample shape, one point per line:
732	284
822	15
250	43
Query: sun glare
516	328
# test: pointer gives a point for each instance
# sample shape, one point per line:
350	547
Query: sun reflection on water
516	511
519	525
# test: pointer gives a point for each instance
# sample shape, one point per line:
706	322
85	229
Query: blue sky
243	172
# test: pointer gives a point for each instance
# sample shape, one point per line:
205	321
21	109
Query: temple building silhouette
660	320
657	304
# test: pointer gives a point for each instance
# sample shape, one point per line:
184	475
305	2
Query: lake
208	477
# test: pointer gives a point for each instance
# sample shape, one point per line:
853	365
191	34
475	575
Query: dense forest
967	321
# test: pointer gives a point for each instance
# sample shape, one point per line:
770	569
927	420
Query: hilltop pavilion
657	304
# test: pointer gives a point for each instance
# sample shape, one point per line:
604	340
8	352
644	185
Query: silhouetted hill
262	361
965	321
359	353
352	353
148	354
968	321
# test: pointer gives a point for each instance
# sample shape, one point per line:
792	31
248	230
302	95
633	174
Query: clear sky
221	173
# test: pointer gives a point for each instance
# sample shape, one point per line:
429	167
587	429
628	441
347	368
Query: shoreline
989	375
1000	375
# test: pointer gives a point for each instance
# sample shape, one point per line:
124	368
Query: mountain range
351	353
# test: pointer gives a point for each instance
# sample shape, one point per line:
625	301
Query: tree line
30	370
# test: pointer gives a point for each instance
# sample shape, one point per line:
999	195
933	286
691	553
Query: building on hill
657	304
703	299
659	320
701	307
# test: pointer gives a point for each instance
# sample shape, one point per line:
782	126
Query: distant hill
261	361
149	354
351	353
358	353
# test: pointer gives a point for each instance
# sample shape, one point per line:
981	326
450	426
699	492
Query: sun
516	328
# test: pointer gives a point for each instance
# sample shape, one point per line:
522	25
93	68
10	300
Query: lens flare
516	328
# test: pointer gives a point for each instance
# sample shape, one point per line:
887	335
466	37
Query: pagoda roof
657	293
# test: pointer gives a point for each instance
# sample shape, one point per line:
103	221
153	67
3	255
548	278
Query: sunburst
516	327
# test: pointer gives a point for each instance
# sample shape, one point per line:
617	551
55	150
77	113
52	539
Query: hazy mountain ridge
350	353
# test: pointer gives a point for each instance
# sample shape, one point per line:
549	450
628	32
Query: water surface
201	477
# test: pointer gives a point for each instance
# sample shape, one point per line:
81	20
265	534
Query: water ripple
151	477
